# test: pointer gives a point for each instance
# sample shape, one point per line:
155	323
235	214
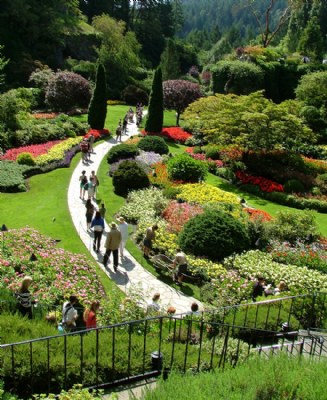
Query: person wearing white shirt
123	227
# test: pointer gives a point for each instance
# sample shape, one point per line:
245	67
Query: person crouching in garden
90	315
180	266
69	314
150	236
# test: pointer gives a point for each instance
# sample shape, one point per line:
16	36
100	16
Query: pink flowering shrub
56	273
177	214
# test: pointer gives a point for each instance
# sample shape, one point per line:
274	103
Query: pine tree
170	61
98	104
311	42
154	119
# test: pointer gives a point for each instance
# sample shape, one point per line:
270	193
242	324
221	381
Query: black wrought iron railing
133	350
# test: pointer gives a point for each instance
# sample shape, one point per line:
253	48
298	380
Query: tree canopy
253	122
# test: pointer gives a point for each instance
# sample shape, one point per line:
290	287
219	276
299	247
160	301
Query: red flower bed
174	133
258	214
97	133
45	115
35	149
266	185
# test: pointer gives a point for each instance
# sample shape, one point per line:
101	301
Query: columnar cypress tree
98	104
154	119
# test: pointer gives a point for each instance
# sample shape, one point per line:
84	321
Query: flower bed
35	150
58	151
56	273
266	185
177	214
173	133
45	115
97	133
255	214
202	193
299	280
202	157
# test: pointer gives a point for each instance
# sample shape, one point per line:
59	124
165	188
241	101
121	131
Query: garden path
130	276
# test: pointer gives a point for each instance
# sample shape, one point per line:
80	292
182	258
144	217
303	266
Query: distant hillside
210	14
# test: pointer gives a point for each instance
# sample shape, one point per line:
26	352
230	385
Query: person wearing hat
112	245
123	228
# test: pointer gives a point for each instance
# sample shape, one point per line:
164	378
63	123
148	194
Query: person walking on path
98	228
95	182
112	245
83	181
89	187
89	213
84	146
103	211
119	131
123	228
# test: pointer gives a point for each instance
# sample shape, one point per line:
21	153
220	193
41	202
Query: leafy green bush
294	186
171	192
129	176
25	159
213	151
293	226
185	168
122	151
153	143
133	95
11	177
214	235
280	377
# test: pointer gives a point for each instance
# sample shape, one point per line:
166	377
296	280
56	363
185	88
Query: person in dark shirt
258	288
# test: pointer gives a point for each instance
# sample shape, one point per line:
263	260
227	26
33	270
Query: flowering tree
178	94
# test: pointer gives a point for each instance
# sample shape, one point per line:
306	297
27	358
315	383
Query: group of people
75	317
153	307
86	147
261	289
88	185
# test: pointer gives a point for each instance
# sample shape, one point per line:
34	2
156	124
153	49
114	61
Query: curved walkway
131	276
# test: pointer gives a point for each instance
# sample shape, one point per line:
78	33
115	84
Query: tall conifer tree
154	119
98	105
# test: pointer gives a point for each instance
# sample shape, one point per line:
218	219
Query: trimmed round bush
153	143
129	176
215	235
25	159
121	152
294	186
187	169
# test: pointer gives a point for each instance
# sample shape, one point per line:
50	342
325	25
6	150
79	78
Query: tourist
79	321
83	182
119	131
89	213
89	187
69	314
258	288
91	142
281	287
98	227
95	182
180	266
103	210
84	146
153	307
195	309
90	315
150	236
123	228
112	245
171	310
24	297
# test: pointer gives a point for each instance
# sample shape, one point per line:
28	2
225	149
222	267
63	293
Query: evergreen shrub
155	144
25	159
187	169
294	186
98	105
215	235
129	176
122	151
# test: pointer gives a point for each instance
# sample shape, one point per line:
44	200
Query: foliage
35	150
293	226
202	193
293	186
134	95
178	94
3	63
75	393
129	176
275	379
311	43
153	143
67	90
57	152
236	77
122	151
149	201
214	235
118	52
149	158
98	105
299	280
177	214
184	168
11	177
25	159
252	122
12	106
154	119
